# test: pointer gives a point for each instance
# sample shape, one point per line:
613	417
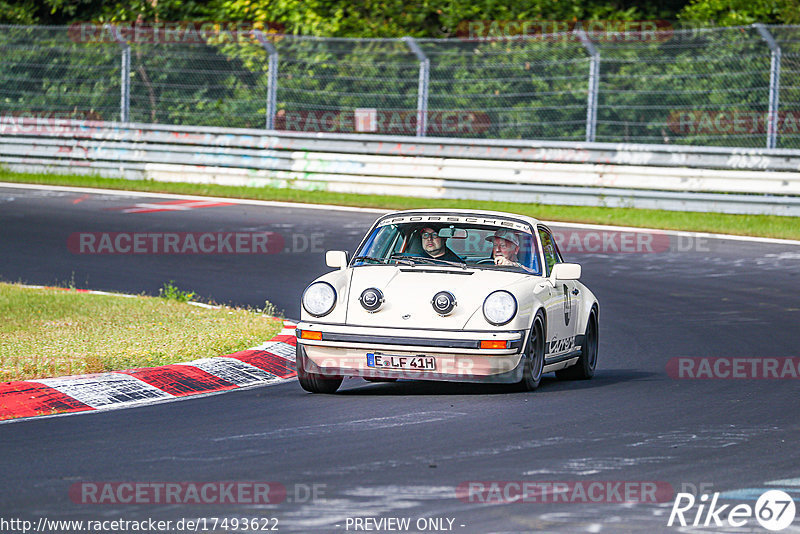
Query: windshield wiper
406	261
402	259
379	260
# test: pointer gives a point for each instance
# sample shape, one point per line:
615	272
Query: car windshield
458	244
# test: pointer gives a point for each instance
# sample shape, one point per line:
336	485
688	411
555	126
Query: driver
435	247
505	247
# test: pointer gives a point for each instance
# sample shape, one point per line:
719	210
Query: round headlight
319	299
371	299
499	307
443	303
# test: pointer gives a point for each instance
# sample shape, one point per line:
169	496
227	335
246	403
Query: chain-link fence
716	86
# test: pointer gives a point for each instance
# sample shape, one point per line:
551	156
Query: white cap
508	235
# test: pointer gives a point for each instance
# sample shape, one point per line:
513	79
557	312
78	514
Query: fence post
422	91
774	85
125	75
272	78
125	91
594	85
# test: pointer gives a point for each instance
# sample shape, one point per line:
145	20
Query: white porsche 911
456	295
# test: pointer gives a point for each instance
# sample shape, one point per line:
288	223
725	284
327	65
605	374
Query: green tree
741	12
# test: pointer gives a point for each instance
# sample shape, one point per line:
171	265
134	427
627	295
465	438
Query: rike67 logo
774	510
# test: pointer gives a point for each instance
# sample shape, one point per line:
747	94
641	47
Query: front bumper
342	351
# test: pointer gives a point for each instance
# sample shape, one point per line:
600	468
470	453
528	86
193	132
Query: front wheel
584	369
534	358
313	382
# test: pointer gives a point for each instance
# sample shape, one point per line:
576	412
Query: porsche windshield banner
445	218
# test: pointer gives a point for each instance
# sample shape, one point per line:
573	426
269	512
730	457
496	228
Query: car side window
551	256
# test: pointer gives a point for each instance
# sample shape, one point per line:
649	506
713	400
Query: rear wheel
313	382
584	369
534	358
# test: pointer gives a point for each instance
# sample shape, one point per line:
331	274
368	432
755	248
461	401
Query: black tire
587	362
313	382
534	356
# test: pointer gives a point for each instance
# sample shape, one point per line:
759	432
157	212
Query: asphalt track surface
400	450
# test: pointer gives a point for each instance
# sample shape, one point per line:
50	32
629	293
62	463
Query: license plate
391	361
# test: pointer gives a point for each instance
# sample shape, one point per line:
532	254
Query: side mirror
336	259
565	271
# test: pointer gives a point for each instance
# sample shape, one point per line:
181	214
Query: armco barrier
709	179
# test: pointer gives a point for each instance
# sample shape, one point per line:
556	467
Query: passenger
505	247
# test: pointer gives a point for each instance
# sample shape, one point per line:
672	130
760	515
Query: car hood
409	291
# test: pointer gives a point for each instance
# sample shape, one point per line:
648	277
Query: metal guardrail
646	176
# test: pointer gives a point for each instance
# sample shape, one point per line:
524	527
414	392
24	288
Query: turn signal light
494	344
311	334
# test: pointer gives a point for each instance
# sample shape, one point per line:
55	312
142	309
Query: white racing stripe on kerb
106	389
287	332
234	371
278	348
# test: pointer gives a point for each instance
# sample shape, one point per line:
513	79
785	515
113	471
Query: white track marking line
784	482
328	207
144	194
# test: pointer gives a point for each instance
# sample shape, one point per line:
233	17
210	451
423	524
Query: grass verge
752	225
56	332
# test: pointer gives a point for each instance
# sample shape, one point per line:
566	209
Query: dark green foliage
655	90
